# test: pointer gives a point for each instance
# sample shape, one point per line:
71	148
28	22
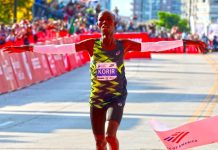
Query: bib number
106	71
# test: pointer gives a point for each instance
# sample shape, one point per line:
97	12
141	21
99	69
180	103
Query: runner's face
106	22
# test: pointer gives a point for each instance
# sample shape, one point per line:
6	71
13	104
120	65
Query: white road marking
6	123
85	114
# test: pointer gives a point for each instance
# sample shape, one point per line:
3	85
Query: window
215	2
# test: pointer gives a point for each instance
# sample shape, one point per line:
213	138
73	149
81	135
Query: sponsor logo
176	137
112	65
118	52
120	104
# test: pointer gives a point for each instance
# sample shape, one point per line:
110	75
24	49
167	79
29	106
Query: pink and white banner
190	135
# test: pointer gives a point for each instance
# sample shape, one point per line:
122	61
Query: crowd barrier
21	70
24	69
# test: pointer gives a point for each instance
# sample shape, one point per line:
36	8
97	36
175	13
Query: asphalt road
54	115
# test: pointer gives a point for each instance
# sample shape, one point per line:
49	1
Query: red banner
72	61
45	66
19	70
52	65
8	78
78	59
84	57
4	85
59	64
66	61
36	67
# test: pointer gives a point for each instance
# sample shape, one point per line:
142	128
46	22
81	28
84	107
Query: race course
54	115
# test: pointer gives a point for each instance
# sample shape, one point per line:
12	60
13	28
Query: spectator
175	33
131	27
39	8
97	10
91	19
11	36
162	33
119	27
117	16
205	39
151	30
69	11
2	34
93	29
142	27
215	43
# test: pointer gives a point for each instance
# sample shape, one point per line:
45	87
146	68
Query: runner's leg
111	135
115	113
98	119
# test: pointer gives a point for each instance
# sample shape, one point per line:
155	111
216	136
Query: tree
24	10
169	20
6	11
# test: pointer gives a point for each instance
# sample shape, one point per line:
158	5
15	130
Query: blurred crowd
78	17
25	30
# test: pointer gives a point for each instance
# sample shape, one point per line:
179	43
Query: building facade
202	14
148	9
105	4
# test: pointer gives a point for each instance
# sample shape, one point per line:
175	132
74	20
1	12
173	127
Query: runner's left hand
18	49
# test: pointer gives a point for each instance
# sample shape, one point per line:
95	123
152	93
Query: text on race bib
106	71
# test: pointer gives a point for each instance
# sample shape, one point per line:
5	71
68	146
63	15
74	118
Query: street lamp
190	12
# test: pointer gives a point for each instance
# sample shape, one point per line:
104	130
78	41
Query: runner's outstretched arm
65	48
42	49
53	49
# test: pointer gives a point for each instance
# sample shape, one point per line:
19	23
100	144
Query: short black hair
107	11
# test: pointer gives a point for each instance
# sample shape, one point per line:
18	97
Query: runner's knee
111	139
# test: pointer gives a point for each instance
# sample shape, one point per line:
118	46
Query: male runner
108	82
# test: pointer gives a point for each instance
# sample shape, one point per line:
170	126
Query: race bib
106	71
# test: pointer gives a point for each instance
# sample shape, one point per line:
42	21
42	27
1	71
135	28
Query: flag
201	132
